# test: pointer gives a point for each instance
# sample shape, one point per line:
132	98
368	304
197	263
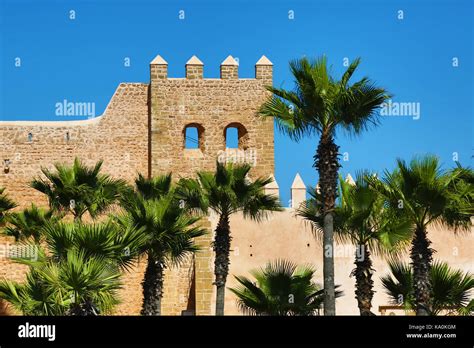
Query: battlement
229	69
209	106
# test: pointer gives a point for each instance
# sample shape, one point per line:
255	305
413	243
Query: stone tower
210	106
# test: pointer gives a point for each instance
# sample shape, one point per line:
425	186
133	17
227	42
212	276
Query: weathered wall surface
285	236
211	105
118	137
142	130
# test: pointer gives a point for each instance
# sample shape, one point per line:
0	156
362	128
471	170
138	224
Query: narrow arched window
193	135
232	138
236	136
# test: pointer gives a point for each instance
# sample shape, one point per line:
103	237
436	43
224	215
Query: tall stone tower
211	106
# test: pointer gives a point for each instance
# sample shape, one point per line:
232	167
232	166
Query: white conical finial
194	61
264	61
298	191
158	60
350	180
298	182
230	61
272	188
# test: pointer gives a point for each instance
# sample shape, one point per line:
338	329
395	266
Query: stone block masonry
211	106
143	130
118	137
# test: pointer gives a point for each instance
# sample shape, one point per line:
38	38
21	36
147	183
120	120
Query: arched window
193	135
236	136
231	138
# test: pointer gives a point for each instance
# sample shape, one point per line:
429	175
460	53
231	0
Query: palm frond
280	288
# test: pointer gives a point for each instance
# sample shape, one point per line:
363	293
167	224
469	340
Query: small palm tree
76	269
226	192
118	245
450	288
78	285
90	282
6	204
425	194
281	288
78	189
169	230
321	105
35	296
27	224
360	219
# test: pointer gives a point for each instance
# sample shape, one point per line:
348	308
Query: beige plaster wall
285	236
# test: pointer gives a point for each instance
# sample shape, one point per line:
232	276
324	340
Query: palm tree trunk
327	163
421	257
221	247
364	282
87	308
153	286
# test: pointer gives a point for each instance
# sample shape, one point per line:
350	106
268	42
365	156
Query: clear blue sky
83	60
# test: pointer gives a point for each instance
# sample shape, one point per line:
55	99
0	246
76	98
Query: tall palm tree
451	288
360	219
5	205
169	229
27	224
321	105
226	192
426	194
78	189
280	288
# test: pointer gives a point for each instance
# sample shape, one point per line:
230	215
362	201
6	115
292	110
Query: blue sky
83	60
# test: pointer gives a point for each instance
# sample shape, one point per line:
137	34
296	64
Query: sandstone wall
118	137
211	105
142	130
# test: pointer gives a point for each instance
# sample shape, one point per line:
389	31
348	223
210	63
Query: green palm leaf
280	288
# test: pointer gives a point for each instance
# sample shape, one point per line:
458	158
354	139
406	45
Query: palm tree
27	224
226	192
360	218
451	288
78	189
117	244
426	195
5	205
169	229
76	269
320	105
78	285
281	288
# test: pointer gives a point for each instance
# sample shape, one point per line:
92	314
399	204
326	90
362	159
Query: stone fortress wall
143	130
115	137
